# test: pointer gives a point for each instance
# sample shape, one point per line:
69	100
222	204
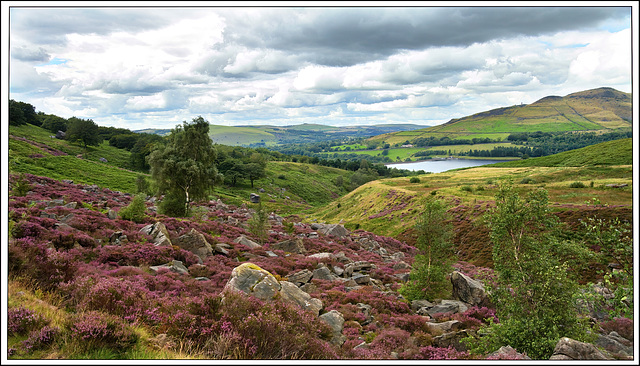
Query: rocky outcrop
331	229
336	321
196	243
247	242
570	349
173	266
467	289
290	246
158	233
292	293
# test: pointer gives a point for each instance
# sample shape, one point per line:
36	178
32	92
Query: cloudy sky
146	67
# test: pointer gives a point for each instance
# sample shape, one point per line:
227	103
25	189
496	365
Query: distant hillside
267	135
590	110
616	152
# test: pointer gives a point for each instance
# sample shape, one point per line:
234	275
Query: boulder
615	344
301	277
467	289
174	266
507	353
112	215
247	242
253	280
158	233
443	327
254	198
323	256
447	306
323	273
334	230
290	246
196	243
292	293
419	304
336	321
570	349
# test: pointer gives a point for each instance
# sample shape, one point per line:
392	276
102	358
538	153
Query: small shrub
527	180
21	186
21	321
414	180
281	176
95	329
577	185
466	188
135	211
40	339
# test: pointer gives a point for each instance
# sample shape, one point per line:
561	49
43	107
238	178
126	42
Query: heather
118	297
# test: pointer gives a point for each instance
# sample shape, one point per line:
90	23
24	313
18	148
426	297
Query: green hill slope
591	110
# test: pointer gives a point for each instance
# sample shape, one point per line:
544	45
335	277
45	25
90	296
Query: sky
269	63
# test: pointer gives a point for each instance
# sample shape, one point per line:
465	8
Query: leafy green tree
184	168
258	224
534	294
135	211
428	277
21	113
54	123
83	130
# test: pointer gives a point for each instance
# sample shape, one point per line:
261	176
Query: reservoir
442	165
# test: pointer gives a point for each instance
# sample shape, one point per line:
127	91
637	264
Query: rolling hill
591	110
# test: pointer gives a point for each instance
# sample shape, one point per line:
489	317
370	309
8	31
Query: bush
414	180
21	321
527	180
577	185
94	329
466	188
135	211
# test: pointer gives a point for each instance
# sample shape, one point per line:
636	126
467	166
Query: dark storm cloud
346	36
27	54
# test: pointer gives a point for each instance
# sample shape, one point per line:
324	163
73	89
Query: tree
428	277
54	123
83	130
21	113
534	291
184	168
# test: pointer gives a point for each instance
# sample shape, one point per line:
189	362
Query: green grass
616	152
230	135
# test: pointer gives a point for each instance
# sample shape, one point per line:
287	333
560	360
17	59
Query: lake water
438	166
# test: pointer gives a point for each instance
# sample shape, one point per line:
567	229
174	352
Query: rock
447	306
615	344
334	230
323	273
174	266
365	309
570	349
467	289
54	203
336	321
452	339
103	160
361	279
507	353
290	246
117	237
253	280
443	327
323	256
218	248
196	243
419	304
158	233
613	185
247	242
60	135
293	293
71	205
254	198
401	265
112	215
300	278
360	266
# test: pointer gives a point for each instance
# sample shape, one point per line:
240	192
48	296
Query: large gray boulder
253	280
336	321
570	349
333	230
290	246
196	243
247	242
158	233
467	289
173	266
292	293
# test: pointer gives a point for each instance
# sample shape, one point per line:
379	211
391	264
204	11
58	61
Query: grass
230	135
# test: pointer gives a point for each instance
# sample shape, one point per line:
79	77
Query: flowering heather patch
97	329
21	321
622	326
40	339
437	353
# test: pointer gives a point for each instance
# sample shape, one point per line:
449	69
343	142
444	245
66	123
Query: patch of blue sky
55	61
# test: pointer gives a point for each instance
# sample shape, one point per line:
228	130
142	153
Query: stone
253	280
71	205
361	279
247	242
158	233
419	304
507	353
334	230
323	273
335	319
112	215
254	198
570	349
290	246
291	292
443	327
196	243
174	266
103	160
467	289
323	256
300	277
